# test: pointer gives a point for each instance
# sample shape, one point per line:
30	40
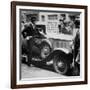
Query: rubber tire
55	61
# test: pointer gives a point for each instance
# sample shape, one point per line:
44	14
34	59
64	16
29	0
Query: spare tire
45	50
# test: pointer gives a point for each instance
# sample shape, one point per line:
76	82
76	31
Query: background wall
5	44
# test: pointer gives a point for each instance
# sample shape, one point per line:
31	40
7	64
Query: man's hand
28	37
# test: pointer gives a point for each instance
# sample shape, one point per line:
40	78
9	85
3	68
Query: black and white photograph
50	44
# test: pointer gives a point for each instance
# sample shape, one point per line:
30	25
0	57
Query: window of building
52	17
43	18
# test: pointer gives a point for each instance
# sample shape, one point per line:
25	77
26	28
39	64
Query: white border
56	79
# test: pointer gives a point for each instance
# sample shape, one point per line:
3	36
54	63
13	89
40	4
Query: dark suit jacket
29	31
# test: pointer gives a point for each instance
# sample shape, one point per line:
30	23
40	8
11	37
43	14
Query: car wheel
45	50
60	65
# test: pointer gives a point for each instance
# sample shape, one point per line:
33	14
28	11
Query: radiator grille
61	44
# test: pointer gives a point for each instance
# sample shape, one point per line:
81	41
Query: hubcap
61	66
45	51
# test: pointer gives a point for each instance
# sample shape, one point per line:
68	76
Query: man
62	26
30	28
29	32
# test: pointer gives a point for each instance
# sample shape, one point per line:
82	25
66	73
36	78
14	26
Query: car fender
62	49
47	41
59	52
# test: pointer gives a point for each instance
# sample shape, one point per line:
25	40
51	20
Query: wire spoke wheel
60	65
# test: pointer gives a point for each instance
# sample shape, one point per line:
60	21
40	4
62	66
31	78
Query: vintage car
53	49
